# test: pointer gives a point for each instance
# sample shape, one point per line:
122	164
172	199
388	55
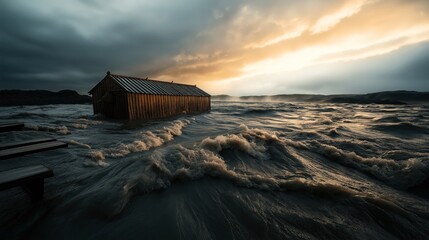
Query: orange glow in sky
262	42
236	47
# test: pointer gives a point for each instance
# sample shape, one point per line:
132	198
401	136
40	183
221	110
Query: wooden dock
28	149
25	143
6	127
30	178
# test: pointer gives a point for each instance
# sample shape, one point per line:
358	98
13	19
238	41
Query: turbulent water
245	170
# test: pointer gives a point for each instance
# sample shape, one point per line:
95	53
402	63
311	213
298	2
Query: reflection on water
243	171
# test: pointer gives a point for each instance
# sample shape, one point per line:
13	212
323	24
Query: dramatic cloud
404	69
253	46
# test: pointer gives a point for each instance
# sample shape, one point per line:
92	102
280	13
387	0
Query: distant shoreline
41	97
387	97
45	97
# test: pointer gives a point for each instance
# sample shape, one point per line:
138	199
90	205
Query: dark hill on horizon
41	97
44	97
386	97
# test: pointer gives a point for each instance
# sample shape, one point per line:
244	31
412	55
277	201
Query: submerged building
135	98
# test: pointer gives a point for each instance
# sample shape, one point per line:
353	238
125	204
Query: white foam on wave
98	159
78	125
83	123
97	155
63	130
245	141
402	154
89	121
76	143
270	135
148	140
178	163
165	166
401	174
232	141
184	164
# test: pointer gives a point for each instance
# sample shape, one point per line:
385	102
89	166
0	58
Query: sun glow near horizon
352	31
233	47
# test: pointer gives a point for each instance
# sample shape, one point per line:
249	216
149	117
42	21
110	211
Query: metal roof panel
148	86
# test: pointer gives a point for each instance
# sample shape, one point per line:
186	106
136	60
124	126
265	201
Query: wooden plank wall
142	106
120	105
108	85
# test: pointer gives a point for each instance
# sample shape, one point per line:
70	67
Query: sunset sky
234	47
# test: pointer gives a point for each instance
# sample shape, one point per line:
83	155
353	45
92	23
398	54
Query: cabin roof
156	87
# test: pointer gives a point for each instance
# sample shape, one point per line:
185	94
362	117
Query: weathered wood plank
34	148
29	178
151	106
134	104
151	110
18	176
25	143
6	127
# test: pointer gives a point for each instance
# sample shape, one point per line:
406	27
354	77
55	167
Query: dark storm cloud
70	44
54	45
74	47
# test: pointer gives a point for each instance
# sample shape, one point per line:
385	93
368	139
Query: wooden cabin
135	98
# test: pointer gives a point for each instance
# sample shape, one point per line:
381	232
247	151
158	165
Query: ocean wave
148	140
177	163
325	121
62	130
97	159
333	132
87	121
76	143
30	115
232	141
78	125
402	154
181	164
259	112
240	141
388	119
184	164
294	174
403	127
270	136
400	174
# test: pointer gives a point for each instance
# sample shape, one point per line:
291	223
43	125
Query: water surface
246	170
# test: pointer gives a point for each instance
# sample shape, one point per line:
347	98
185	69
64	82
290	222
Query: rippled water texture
245	170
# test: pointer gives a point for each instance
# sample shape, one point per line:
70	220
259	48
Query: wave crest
62	130
400	174
148	140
